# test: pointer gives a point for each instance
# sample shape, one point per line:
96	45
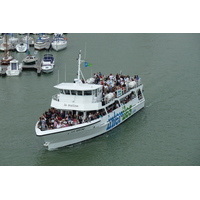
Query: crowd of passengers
113	83
54	118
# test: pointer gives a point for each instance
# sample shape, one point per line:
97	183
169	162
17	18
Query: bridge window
61	91
89	92
67	92
73	92
79	93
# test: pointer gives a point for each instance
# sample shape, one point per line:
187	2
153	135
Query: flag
87	64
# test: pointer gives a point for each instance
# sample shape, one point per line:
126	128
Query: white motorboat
14	69
59	43
6	46
40	44
47	63
28	39
29	60
45	37
21	47
80	111
1	39
13	40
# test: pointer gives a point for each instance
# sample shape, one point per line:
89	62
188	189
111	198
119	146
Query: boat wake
147	106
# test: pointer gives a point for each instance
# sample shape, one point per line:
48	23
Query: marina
25	44
164	133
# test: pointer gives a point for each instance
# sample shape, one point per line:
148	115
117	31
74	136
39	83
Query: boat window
99	90
113	106
67	92
102	112
61	91
14	66
73	92
89	92
79	93
139	94
95	93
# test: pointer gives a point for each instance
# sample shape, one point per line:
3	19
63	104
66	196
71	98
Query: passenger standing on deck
43	124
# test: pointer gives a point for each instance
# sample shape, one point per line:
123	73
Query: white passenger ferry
85	109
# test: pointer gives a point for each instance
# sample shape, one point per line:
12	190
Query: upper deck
84	97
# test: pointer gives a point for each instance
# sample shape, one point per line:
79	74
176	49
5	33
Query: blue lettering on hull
119	117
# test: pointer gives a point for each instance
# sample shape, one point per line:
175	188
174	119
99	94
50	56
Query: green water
165	132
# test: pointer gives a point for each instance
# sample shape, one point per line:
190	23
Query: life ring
65	38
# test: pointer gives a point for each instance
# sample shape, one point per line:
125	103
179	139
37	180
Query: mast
6	51
78	80
79	65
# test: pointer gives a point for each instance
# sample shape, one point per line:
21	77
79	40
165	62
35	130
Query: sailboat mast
6	51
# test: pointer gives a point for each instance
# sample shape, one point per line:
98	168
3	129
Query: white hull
59	46
14	69
48	63
21	47
40	46
13	72
47	70
64	136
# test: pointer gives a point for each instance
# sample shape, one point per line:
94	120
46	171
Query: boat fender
109	97
132	84
90	80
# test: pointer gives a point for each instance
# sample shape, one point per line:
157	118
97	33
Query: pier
3	70
37	66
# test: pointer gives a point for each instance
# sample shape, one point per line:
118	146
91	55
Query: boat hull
21	48
29	63
13	72
39	46
58	47
47	70
57	138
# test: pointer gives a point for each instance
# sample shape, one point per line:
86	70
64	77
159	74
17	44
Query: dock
36	66
3	70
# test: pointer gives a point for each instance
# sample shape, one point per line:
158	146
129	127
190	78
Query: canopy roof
77	86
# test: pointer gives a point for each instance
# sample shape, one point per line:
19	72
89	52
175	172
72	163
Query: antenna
85	51
58	76
66	73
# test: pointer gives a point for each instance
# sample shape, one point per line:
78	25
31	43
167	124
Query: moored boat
13	40
48	63
14	69
28	39
7	57
40	44
29	60
81	110
59	42
21	47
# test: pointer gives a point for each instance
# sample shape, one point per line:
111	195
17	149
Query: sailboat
29	60
7	57
59	42
21	47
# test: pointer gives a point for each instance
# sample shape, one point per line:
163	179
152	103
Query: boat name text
70	105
